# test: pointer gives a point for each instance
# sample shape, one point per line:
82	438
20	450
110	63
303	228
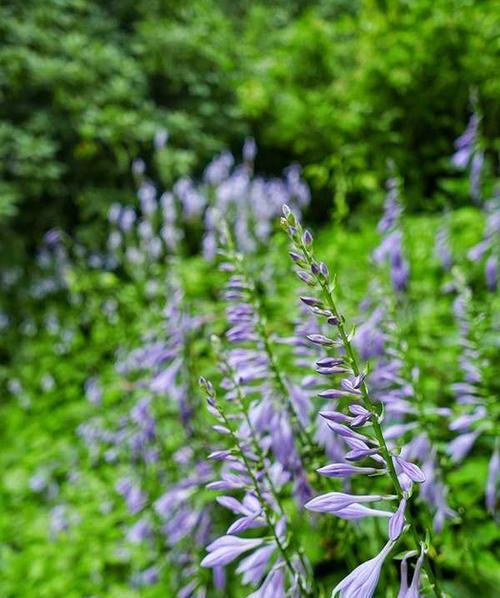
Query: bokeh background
354	91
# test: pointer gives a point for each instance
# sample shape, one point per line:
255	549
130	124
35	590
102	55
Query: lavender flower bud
307	238
311	301
397	521
332	502
320	339
307	278
411	470
344	470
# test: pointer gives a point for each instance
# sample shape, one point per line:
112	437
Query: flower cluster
274	564
474	414
166	516
469	154
163	223
310	415
391	246
357	419
489	246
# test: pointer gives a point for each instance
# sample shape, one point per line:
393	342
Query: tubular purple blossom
364	579
226	549
332	502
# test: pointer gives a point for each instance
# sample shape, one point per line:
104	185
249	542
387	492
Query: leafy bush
339	86
383	80
114	455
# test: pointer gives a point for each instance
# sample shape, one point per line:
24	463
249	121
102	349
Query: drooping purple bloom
226	549
249	150
413	590
355	511
139	532
160	139
390	249
332	502
273	586
363	581
460	446
344	470
410	469
397	521
134	497
147	577
252	568
442	248
491	273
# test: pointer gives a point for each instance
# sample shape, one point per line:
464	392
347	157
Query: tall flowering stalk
250	202
161	473
488	249
354	394
249	471
282	412
475	412
390	248
469	154
394	379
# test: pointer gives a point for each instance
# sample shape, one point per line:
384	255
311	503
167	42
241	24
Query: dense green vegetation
40	423
355	92
85	86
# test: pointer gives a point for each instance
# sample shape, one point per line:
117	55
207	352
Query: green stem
258	451
267	512
377	428
306	440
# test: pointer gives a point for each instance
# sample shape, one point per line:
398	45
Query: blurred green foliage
339	86
346	86
40	422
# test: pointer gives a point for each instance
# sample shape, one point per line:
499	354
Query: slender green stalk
377	428
258	451
306	440
268	514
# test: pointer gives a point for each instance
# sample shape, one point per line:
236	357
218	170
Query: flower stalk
316	274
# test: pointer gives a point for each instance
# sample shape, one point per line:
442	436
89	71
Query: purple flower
219	168
249	149
273	586
362	582
410	469
226	549
397	521
413	590
252	568
442	248
332	502
491	273
466	142
460	447
133	496
250	509
344	470
147	577
160	139
354	512
52	237
139	532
